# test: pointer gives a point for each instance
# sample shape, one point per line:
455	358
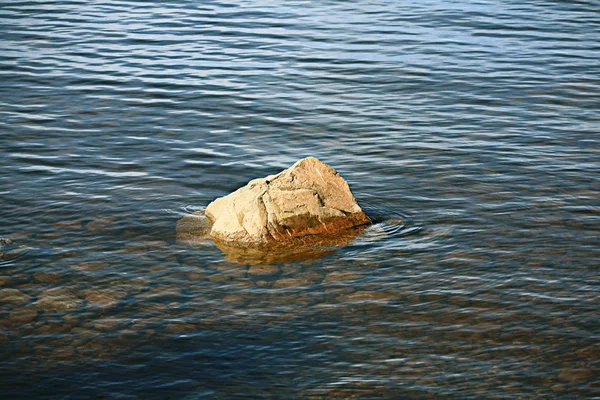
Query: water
478	121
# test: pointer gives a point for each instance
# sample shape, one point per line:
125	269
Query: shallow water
477	121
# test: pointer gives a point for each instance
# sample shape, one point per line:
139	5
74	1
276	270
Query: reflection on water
467	132
194	230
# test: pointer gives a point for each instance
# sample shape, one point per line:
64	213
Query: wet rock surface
309	198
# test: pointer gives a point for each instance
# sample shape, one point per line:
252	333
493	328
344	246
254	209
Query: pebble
58	299
90	266
105	298
23	315
46	277
181	327
133	286
360	297
107	324
338	276
290	270
263	270
238	271
73	225
219	278
99	225
13	296
233	299
291	283
160	292
576	375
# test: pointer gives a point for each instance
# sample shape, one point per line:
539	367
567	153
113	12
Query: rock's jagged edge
259	214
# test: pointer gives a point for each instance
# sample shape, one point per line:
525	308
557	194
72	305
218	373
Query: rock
339	276
58	299
23	315
309	198
4	243
47	277
10	249
90	266
99	225
366	297
13	296
263	270
291	283
104	298
574	375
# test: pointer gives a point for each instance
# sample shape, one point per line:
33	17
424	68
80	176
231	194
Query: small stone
105	298
232	270
90	266
233	299
219	278
156	243
557	388
291	283
290	270
160	292
46	277
99	225
23	315
196	276
72	225
133	286
58	299
13	296
4	280
360	297
575	375
338	276
181	327
107	324
263	270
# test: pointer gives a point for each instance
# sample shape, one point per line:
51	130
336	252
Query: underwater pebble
13	296
263	270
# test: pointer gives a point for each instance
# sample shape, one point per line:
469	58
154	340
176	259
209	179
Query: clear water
476	120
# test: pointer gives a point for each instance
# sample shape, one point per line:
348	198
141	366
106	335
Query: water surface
477	121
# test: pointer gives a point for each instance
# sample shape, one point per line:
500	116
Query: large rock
310	198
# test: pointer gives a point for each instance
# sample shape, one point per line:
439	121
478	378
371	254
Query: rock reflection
194	230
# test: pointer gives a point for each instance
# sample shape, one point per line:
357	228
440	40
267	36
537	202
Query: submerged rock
58	299
309	198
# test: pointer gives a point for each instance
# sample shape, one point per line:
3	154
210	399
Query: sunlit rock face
309	198
300	212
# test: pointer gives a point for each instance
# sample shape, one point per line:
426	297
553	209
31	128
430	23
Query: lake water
477	122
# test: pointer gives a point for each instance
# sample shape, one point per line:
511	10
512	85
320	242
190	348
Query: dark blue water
477	121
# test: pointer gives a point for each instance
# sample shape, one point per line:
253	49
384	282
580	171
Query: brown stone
263	270
309	198
13	296
291	283
99	224
58	299
576	374
46	277
23	315
90	266
338	276
104	298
